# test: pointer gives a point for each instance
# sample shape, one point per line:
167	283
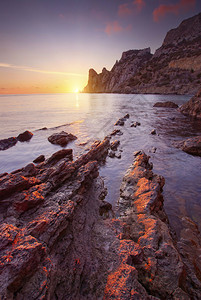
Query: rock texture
62	138
25	136
167	104
191	145
59	238
193	107
175	68
7	143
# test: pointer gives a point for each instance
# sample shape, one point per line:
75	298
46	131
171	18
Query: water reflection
91	117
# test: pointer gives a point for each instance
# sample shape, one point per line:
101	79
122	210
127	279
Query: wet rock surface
25	136
59	238
193	107
191	145
62	138
39	159
167	104
7	143
12	141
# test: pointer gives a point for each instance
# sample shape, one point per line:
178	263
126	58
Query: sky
48	46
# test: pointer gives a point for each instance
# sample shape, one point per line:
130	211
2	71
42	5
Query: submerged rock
25	136
167	104
7	143
62	138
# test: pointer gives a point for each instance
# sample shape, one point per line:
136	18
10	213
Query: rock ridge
60	239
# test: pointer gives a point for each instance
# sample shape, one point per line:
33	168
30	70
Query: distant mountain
175	68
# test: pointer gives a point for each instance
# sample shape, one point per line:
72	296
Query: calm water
91	117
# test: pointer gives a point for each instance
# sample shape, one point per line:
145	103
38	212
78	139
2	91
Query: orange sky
48	46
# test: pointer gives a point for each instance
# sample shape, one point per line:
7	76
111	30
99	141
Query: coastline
59	237
58	203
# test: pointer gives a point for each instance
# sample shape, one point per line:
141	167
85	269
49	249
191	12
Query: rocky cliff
59	238
174	68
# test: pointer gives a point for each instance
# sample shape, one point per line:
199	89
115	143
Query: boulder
135	124
193	107
191	145
153	132
116	132
62	138
39	159
25	136
114	145
167	104
120	122
7	143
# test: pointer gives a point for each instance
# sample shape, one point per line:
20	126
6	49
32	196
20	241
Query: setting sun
76	90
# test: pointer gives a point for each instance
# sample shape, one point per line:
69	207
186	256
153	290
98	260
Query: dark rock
114	145
120	122
44	128
193	107
135	124
127	116
7	143
64	153
62	138
153	131
167	104
29	170
153	150
116	132
25	136
191	145
118	155
39	159
105	208
111	154
136	153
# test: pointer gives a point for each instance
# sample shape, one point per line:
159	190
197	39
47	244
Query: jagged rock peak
188	30
92	72
130	53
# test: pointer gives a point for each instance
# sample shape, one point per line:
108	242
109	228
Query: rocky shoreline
61	240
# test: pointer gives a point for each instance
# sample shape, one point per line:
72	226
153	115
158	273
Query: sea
91	117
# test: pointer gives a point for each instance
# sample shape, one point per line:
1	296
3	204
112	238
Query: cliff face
125	68
174	68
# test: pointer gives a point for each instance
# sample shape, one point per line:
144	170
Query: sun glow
76	90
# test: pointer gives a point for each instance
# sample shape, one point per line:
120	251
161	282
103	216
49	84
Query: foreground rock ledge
58	239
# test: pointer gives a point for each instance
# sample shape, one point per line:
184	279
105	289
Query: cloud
133	8
183	5
139	4
124	10
30	69
115	27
